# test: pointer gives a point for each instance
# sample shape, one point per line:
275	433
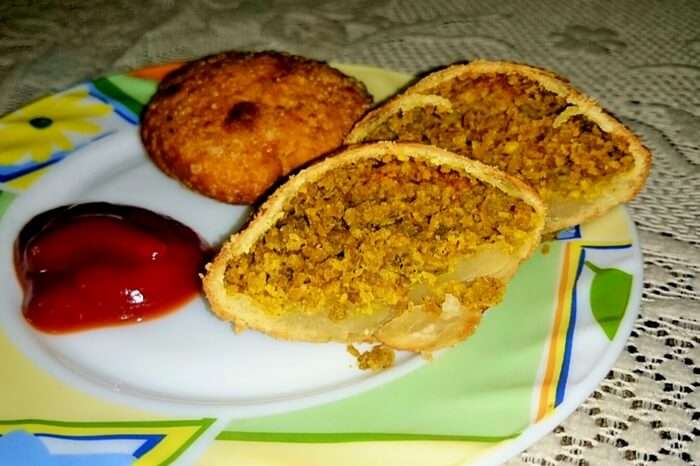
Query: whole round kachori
230	125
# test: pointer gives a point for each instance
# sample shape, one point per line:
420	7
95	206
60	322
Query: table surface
640	59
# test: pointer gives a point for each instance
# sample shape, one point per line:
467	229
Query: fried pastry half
529	123
401	244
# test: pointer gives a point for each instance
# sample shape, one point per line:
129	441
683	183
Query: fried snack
400	244
230	125
529	123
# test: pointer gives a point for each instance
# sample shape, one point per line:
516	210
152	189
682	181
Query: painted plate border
578	393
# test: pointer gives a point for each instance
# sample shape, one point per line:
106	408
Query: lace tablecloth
640	59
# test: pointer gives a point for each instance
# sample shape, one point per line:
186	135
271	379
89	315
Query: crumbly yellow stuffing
378	358
361	238
476	295
546	248
509	121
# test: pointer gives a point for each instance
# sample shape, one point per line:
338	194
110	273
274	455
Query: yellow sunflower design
30	136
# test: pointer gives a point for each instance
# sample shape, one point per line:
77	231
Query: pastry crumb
378	358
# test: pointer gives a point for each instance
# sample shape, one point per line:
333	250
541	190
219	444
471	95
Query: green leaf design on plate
610	293
112	91
5	200
140	89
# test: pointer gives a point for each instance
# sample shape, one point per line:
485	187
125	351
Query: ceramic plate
184	388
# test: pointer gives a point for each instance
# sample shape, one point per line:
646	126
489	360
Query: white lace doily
641	59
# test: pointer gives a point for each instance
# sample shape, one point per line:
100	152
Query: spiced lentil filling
512	122
364	236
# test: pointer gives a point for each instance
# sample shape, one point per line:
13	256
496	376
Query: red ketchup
95	265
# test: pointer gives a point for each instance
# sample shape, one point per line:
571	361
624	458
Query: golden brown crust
230	125
382	327
620	189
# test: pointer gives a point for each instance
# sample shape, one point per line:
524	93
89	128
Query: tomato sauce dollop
97	264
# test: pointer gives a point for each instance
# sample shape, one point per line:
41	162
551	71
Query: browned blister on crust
230	125
401	244
526	121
